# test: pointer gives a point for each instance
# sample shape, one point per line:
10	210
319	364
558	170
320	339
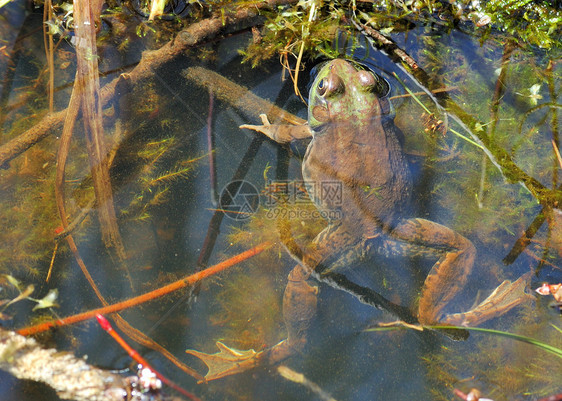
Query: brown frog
357	150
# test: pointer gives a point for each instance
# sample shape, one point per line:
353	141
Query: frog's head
343	91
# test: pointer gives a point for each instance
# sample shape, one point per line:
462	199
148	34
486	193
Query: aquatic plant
312	25
536	22
27	203
48	301
247	311
503	364
156	177
304	27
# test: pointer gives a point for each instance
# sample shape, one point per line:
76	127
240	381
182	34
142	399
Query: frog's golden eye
371	81
330	85
374	83
322	86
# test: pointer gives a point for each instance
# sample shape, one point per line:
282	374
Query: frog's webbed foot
280	133
506	296
299	309
230	361
227	361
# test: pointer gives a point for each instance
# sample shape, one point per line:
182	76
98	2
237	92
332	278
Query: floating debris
555	290
296	377
473	395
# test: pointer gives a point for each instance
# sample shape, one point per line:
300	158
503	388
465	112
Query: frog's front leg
280	133
449	275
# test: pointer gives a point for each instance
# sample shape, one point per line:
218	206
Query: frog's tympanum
355	143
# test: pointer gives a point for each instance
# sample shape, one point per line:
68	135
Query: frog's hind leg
335	250
449	275
299	309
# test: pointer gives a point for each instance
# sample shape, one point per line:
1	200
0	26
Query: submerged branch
50	124
238	96
69	376
150	61
88	86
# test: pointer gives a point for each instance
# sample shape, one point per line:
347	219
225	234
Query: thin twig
87	81
49	51
434	91
211	150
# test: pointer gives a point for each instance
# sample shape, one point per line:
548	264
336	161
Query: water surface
165	204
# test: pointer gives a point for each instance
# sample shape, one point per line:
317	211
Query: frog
355	144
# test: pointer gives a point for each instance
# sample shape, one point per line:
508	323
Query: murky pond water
178	147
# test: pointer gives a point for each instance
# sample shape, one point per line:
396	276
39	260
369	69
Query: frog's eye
367	79
330	85
374	83
322	86
371	81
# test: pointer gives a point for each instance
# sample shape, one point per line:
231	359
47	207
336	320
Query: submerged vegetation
312	24
493	66
509	367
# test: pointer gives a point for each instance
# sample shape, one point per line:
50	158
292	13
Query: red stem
460	394
184	282
104	323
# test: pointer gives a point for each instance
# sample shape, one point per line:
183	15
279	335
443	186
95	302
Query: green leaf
23	294
517	337
14	281
537	343
48	301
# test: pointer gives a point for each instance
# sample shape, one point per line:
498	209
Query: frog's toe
505	297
